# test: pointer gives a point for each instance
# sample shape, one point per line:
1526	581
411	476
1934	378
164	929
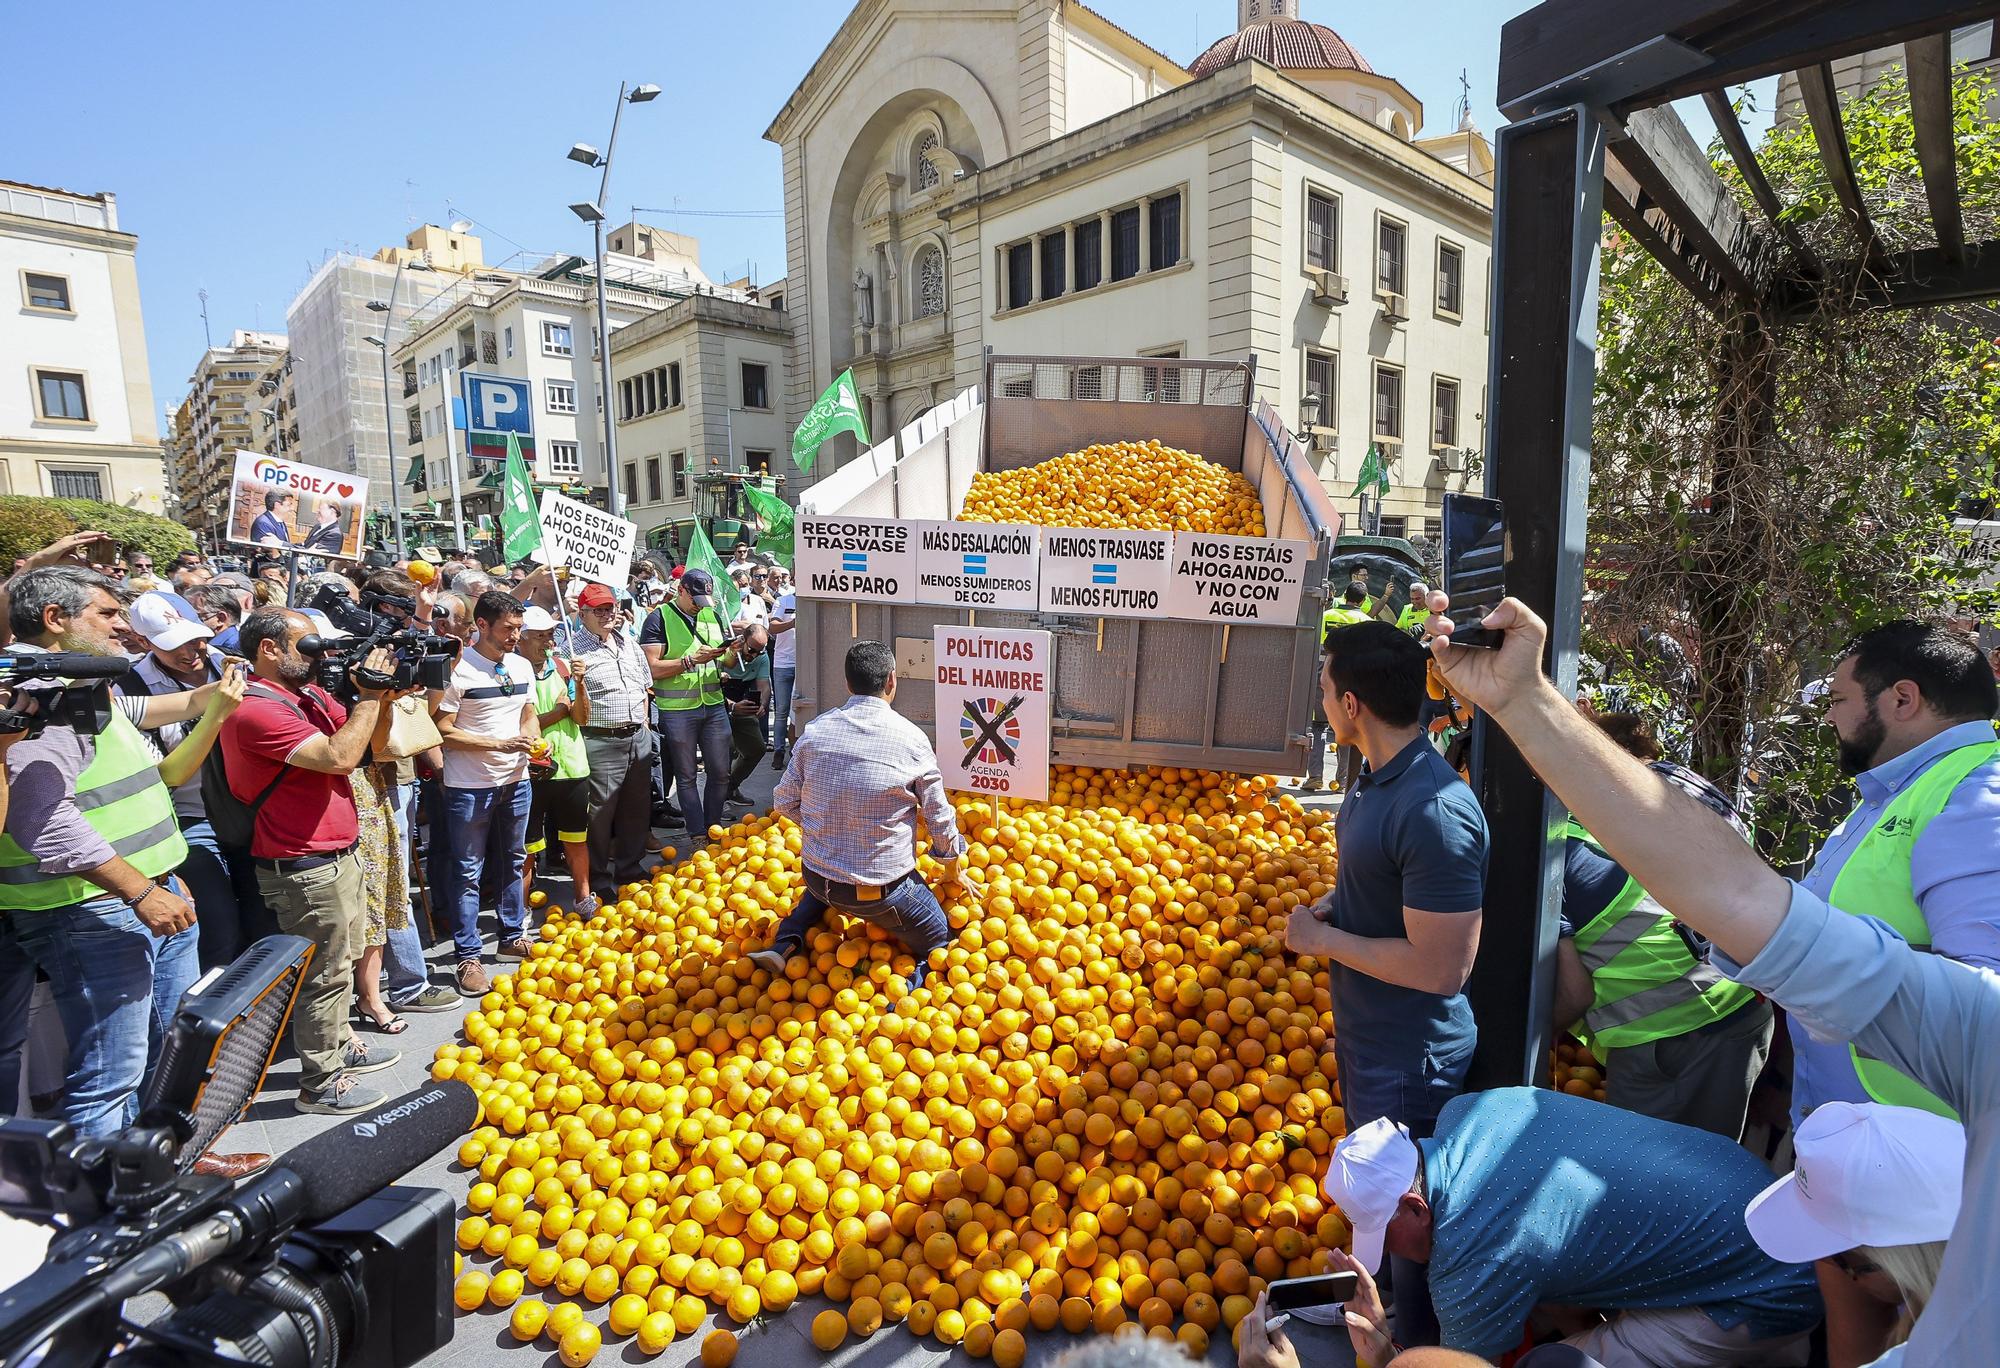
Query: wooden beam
1638	224
1547	50
1658	152
1919	279
1822	102
1928	64
1740	152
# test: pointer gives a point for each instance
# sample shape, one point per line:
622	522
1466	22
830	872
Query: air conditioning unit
1451	460
1329	287
1394	307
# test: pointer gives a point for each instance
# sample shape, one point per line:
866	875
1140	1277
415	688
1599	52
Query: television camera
422	660
80	698
316	1263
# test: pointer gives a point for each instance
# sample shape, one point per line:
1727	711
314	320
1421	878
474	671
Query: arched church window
923	172
930	282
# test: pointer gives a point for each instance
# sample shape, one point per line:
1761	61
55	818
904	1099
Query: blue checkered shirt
857	779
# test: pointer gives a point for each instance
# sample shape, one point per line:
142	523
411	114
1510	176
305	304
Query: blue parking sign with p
496	406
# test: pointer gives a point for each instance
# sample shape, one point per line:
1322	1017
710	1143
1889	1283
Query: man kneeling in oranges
857	779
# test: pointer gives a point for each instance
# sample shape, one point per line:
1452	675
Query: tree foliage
1763	487
28	523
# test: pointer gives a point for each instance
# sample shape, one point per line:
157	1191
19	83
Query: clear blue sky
246	145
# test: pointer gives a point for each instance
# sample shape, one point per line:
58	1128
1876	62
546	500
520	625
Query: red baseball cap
679	570
596	596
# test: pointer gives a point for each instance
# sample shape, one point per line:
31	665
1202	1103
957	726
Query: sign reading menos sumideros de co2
979	565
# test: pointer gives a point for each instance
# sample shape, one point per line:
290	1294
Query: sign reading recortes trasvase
1096	573
863	560
1237	579
978	565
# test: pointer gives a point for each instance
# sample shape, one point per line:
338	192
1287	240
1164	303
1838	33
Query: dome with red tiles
1288	44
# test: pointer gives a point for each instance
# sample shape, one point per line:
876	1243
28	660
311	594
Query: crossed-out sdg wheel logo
989	730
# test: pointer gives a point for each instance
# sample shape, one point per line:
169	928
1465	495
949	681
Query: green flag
701	556
1373	472
837	410
520	524
776	515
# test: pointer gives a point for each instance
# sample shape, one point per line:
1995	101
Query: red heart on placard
345	490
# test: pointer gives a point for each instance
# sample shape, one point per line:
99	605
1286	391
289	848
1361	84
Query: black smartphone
1323	1289
1475	574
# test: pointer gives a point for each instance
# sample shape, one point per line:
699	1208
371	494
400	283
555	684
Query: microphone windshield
361	1156
63	665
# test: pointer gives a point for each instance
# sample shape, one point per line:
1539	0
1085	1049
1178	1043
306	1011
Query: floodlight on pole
592	214
375	342
378	306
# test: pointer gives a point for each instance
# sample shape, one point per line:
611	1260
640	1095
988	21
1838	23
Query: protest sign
293	507
978	565
861	560
595	545
993	690
1094	573
1237	579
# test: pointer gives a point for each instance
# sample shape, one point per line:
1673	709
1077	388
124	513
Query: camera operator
289	750
90	837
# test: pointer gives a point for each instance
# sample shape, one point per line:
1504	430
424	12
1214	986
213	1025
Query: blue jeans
117	987
698	739
1370	1091
784	678
909	912
1319	734
482	825
403	955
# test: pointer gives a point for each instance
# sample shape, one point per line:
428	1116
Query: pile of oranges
1107	1105
1575	1070
1119	484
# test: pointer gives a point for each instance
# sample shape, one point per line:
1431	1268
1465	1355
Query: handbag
411	731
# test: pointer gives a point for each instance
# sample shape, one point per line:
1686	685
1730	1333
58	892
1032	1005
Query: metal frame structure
1587	87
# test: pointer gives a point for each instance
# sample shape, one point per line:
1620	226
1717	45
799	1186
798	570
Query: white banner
979	565
993	690
1092	573
859	560
1237	579
308	509
595	545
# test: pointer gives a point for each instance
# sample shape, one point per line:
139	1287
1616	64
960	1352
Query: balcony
409	383
466	358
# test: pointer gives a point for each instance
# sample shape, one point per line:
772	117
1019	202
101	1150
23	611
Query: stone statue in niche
864	299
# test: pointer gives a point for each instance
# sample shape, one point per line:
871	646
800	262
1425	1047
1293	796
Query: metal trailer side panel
1193	704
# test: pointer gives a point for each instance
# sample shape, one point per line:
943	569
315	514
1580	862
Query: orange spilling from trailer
1108	1104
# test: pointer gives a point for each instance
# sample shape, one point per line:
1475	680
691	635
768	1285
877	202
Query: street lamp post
593	214
387	307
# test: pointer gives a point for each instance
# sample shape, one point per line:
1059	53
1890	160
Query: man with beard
1912	705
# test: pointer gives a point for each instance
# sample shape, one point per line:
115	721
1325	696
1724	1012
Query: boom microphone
320	1179
62	665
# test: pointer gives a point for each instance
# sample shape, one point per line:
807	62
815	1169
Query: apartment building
213	424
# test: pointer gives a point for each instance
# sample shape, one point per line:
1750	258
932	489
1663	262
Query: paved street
776	1342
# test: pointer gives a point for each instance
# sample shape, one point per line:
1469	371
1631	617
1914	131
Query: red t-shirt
308	812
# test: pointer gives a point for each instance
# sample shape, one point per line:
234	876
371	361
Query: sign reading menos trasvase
1237	579
1095	573
862	560
979	565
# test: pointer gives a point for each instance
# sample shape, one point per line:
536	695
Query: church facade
1028	177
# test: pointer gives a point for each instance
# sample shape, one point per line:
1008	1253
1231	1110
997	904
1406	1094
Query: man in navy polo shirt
1401	926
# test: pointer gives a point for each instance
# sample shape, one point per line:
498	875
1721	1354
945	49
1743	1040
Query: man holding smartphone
1401	926
688	646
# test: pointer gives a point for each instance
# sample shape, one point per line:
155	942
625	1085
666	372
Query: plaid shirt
616	675
857	778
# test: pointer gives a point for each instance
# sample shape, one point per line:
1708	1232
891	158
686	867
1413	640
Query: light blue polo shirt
1954	874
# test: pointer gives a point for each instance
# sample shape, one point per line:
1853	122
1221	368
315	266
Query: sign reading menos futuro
1237	579
1095	573
860	560
978	565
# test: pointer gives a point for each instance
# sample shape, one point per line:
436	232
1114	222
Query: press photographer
289	749
86	860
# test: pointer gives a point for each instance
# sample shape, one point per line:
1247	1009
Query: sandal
394	1025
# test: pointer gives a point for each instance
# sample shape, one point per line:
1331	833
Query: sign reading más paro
862	560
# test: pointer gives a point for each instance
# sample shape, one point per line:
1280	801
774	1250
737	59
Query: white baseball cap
1867	1174
1371	1170
535	618
161	620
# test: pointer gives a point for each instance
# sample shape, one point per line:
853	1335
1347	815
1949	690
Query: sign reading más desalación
1237	579
978	565
993	689
861	560
1094	573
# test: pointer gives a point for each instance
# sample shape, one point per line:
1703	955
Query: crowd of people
234	789
239	787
